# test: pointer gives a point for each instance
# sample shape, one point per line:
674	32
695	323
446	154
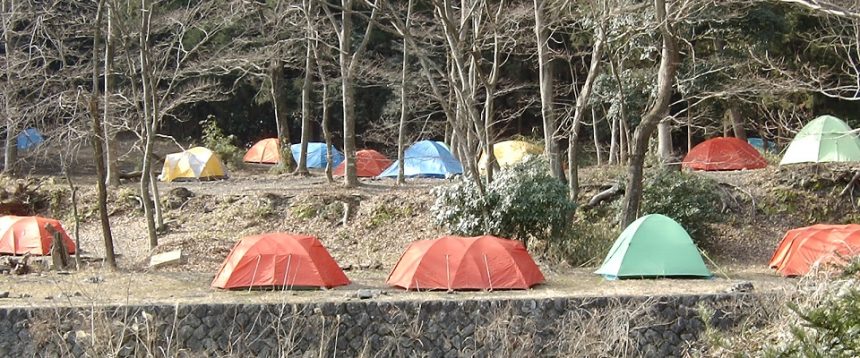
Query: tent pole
254	276
489	277
295	275
289	261
448	272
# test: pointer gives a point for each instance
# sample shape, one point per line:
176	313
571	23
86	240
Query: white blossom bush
523	202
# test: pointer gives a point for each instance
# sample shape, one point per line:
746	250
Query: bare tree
550	125
581	102
98	142
401	145
308	7
349	59
9	11
318	53
111	151
836	8
642	133
169	75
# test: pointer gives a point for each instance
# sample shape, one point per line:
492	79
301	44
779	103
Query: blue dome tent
426	159
29	138
762	144
317	155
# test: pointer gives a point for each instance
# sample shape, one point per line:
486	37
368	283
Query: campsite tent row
653	246
824	139
428	159
424	159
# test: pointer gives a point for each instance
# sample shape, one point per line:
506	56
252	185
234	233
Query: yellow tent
194	163
510	152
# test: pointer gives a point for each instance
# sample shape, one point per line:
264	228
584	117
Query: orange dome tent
368	163
279	260
724	153
27	234
805	247
465	263
263	152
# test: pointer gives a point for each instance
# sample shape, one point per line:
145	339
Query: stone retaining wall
569	326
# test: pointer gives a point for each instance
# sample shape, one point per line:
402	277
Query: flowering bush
523	202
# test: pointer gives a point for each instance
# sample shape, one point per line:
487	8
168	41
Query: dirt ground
101	287
385	220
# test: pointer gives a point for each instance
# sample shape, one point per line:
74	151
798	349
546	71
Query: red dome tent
805	247
263	152
724	153
279	260
368	163
27	234
465	263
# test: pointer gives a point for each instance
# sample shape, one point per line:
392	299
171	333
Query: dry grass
770	322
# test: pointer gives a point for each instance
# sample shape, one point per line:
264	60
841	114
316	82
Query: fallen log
130	175
608	194
849	188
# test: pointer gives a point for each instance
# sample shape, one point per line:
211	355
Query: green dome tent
653	246
825	139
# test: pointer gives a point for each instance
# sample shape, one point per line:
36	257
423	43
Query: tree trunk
324	121
665	79
349	177
594	128
74	192
282	121
10	156
689	127
149	125
307	88
111	153
547	98
613	141
737	122
348	60
623	138
97	143
327	134
401	140
156	200
579	112
664	142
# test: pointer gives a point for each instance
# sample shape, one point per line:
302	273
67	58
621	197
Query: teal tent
653	246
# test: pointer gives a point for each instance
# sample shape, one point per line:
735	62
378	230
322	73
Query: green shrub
831	326
831	330
387	211
588	240
220	143
690	199
523	202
